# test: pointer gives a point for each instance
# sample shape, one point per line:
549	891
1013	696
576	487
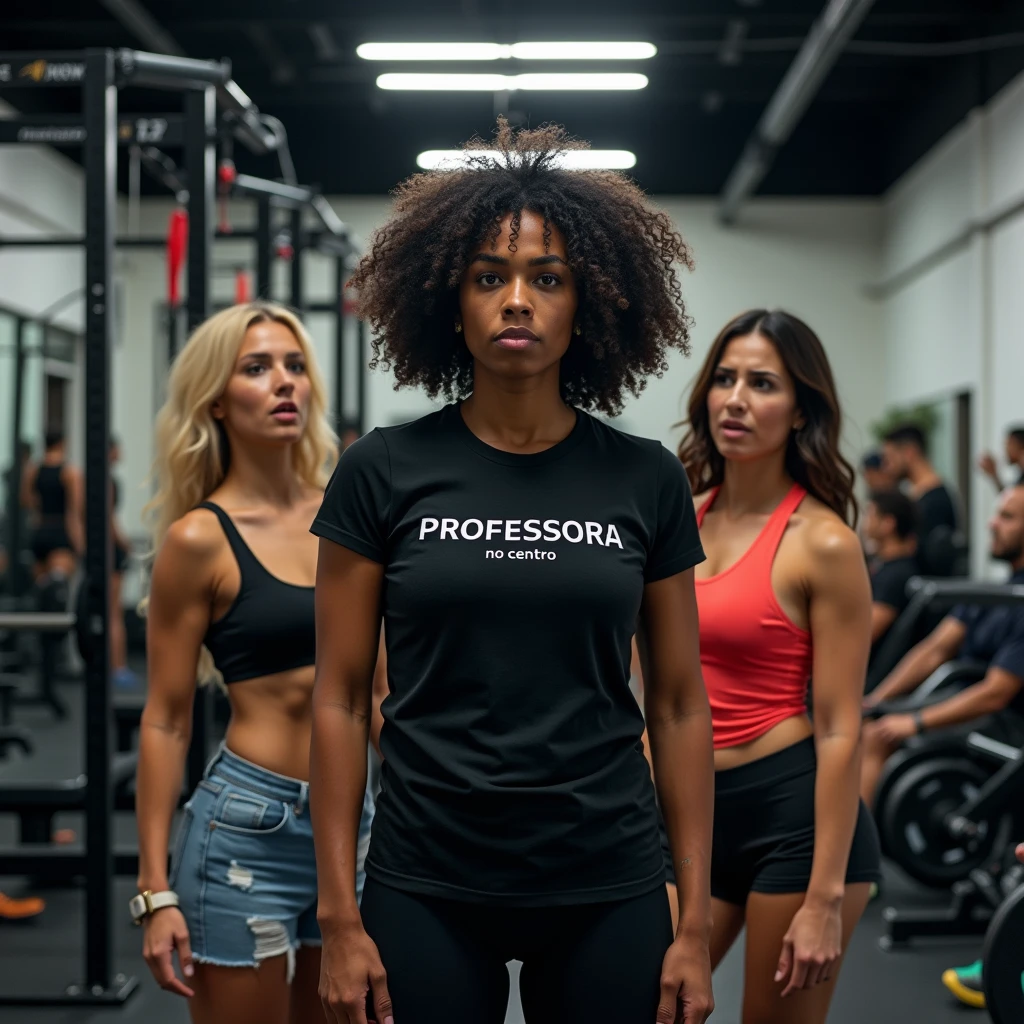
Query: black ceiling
873	117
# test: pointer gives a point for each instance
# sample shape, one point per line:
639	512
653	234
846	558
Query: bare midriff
780	736
271	721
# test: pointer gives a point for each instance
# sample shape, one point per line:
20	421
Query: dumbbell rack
976	899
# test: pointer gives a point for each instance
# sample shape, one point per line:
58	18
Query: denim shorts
243	864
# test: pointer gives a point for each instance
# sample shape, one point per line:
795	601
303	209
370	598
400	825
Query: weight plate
926	750
1003	957
913	823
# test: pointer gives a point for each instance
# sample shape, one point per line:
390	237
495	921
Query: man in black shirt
890	525
994	635
1014	450
905	451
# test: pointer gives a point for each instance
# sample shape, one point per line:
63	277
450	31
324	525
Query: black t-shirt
995	635
513	768
889	587
936	507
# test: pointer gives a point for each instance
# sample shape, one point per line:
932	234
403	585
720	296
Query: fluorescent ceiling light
509	83
571	159
431	51
497	51
584	51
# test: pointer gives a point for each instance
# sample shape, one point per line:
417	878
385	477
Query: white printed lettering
530	529
490	554
427	525
449	529
551	530
578	530
613	537
466	535
493	527
594	533
510	525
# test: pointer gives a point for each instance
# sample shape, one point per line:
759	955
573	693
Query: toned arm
177	619
840	621
679	728
343	701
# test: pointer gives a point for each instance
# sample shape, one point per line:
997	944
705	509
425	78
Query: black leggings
445	959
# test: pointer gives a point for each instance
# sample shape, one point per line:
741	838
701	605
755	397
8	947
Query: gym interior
856	163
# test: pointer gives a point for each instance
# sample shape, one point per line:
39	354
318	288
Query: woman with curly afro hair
511	545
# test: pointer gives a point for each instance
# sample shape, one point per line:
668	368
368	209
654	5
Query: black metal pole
362	370
100	101
200	166
264	289
298	245
339	343
14	538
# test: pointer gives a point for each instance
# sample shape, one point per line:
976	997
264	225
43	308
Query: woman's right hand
164	932
350	967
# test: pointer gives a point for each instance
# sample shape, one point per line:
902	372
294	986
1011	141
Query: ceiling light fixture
571	159
498	51
510	83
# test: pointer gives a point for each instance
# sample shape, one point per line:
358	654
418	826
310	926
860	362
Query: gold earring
458	328
578	330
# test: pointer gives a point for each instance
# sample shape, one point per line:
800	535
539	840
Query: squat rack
100	74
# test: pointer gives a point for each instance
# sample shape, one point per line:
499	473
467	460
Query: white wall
41	193
957	323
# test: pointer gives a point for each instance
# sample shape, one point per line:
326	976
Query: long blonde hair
192	453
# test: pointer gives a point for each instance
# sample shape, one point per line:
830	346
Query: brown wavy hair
813	458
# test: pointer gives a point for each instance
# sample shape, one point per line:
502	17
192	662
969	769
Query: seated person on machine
994	635
890	525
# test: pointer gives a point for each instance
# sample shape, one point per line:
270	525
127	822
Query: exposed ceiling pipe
816	57
143	26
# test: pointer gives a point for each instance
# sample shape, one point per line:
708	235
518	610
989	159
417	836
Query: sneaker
20	910
965	984
125	679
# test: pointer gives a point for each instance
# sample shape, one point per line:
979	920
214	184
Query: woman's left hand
812	947
686	983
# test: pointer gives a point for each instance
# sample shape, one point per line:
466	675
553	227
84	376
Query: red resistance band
177	243
243	288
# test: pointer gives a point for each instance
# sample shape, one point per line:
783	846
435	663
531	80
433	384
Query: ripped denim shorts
243	864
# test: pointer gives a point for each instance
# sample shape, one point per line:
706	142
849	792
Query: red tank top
756	661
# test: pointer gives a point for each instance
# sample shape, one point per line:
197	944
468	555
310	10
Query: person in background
1014	451
243	451
905	452
123	676
54	491
992	635
876	477
890	524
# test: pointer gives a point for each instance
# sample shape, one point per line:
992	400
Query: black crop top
270	625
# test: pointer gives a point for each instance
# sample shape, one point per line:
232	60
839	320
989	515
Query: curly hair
622	252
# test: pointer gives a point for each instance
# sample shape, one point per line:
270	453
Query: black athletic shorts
764	829
445	959
48	538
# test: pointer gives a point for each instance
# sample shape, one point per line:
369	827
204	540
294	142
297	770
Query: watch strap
148	903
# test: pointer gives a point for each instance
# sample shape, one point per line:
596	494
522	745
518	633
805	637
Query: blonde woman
243	452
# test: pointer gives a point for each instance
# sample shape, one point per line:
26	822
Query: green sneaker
965	984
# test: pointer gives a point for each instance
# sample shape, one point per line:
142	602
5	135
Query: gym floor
45	952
